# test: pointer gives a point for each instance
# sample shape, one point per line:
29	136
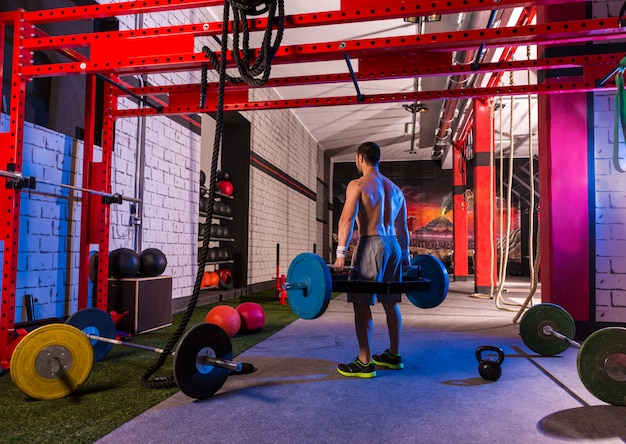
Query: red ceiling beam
113	10
397	10
410	69
237	100
350	11
526	17
167	52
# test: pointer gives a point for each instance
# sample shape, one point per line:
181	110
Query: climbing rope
264	61
533	261
257	73
620	113
504	256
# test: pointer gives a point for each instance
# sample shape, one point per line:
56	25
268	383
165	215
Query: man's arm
402	231
346	223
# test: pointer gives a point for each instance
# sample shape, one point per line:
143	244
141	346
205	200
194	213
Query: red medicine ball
226	317
252	316
225	187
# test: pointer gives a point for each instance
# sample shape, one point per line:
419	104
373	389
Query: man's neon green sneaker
388	360
357	369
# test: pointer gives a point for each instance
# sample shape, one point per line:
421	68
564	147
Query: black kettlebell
488	369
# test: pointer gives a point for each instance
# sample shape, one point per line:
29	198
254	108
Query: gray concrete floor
296	396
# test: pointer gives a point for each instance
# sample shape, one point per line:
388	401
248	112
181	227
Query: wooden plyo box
147	299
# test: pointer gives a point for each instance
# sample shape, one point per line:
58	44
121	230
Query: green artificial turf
113	394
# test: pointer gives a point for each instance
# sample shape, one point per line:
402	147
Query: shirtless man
379	208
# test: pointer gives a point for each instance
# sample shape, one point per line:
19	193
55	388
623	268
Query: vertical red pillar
95	212
88	200
485	259
564	188
459	213
564	194
11	143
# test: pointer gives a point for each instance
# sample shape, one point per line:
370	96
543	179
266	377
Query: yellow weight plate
52	361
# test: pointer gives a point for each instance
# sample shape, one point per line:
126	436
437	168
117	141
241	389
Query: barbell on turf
99	328
548	329
202	360
54	361
309	284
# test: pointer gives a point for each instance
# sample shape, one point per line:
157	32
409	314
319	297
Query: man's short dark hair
370	152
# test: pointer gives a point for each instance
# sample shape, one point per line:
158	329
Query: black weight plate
532	325
601	364
96	322
433	270
195	378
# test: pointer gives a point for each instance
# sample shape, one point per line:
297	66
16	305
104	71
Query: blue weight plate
433	270
309	270
96	322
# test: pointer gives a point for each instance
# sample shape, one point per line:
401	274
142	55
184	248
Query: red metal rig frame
169	49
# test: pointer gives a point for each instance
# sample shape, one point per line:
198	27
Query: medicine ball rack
216	256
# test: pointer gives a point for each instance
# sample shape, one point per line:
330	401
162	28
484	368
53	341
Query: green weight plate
51	361
194	377
532	325
96	322
601	364
309	286
433	270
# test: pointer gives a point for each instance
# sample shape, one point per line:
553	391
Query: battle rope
620	111
533	261
250	8
504	253
263	63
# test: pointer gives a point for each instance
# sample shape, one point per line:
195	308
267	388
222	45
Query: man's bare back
380	203
377	205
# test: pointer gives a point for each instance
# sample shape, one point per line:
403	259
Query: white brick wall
610	216
279	214
610	201
48	243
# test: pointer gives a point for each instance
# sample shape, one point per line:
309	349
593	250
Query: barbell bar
550	331
309	284
31	182
547	329
201	360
